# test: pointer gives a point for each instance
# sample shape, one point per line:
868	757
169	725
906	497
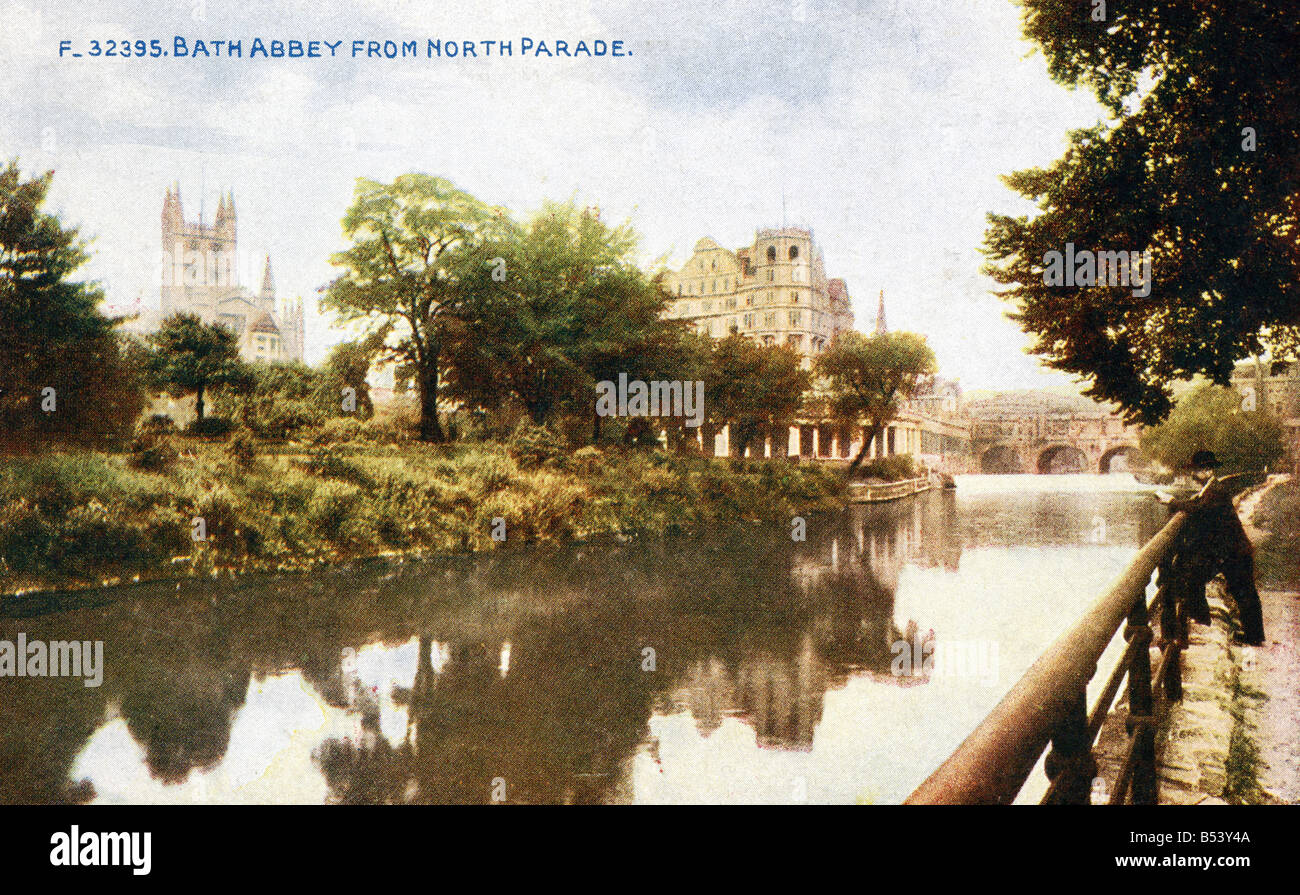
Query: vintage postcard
795	402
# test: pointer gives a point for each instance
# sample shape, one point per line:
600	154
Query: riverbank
81	519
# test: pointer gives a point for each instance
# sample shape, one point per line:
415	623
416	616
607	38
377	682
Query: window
794	295
747	269
679	288
731	303
714	286
771	276
707	305
732	329
771	253
713	265
749	321
794	252
795	317
769	319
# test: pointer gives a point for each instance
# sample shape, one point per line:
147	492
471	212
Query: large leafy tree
400	274
755	389
1211	418
64	377
1197	162
552	308
192	357
867	379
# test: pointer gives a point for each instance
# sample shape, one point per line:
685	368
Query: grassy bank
80	518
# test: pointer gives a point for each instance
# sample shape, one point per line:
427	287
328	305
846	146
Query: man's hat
1204	460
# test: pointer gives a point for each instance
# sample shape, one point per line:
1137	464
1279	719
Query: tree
869	377
552	308
401	273
1210	418
755	389
347	366
1196	164
191	357
65	377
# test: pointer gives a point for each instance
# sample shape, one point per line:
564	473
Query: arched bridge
1048	435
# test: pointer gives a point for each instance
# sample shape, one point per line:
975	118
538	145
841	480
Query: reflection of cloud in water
269	758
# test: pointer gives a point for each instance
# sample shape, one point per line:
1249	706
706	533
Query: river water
730	666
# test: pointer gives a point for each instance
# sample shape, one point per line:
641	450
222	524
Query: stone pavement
1235	735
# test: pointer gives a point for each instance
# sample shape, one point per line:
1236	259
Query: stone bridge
1048	434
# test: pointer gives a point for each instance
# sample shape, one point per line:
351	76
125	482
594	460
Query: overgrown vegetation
69	518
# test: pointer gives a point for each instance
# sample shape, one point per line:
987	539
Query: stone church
201	276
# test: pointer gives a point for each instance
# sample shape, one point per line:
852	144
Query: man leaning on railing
1213	541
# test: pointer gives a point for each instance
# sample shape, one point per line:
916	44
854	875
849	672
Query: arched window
794	252
771	253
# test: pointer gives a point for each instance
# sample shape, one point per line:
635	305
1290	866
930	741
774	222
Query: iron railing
1048	706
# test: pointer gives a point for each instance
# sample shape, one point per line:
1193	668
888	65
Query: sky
882	125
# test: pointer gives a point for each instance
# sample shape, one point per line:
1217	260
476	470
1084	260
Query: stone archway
1128	456
1000	459
1060	459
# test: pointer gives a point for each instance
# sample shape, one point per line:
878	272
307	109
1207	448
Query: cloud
883	125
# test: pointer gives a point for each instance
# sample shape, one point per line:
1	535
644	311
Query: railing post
1140	704
1071	755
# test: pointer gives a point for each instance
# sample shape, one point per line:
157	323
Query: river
730	666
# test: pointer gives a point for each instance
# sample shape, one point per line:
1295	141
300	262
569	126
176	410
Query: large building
774	291
201	276
1273	385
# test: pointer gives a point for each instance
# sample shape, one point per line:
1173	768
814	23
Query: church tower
881	327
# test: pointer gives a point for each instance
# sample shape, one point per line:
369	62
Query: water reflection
737	666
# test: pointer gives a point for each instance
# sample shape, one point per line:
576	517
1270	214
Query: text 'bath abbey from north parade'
201	276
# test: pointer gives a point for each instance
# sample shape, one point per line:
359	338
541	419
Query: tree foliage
402	273
757	389
1210	418
867	379
64	376
550	309
1171	171
191	357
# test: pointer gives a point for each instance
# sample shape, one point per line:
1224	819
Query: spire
268	281
881	328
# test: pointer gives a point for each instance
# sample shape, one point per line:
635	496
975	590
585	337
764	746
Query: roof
264	324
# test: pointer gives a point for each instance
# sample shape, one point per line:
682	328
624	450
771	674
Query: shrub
338	430
242	448
151	452
532	445
209	426
890	469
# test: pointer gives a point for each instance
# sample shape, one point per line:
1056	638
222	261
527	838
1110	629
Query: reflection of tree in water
183	719
744	622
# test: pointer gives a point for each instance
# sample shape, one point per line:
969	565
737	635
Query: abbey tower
201	276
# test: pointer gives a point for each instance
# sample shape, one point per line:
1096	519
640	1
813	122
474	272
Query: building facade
1274	385
774	291
201	276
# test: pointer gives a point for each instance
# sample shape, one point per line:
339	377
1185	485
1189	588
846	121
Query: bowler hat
1204	460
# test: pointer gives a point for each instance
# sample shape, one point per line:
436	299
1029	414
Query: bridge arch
1000	459
1062	458
1129	454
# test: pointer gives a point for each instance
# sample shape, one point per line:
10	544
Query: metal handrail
1048	705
